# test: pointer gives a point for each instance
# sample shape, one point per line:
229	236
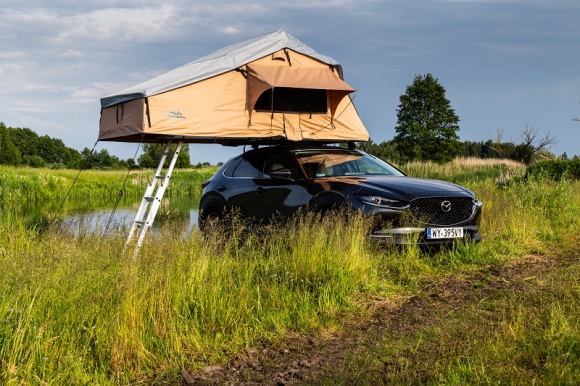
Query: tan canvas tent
266	88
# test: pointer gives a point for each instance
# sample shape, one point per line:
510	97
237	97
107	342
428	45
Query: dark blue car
275	181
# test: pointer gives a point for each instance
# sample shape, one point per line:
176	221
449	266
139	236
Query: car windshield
343	162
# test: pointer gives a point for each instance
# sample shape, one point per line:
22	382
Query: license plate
444	233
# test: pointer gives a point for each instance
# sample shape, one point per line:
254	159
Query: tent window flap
295	89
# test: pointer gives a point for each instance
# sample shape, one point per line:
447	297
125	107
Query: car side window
244	168
281	161
229	172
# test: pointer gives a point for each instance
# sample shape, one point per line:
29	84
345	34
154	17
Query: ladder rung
160	176
170	152
149	198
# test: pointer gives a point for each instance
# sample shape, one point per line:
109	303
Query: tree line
24	147
389	150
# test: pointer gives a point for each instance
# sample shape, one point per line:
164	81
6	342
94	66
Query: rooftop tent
269	87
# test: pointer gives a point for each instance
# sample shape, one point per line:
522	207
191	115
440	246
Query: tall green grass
537	338
469	171
75	310
32	184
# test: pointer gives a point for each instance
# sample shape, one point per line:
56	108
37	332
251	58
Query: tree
101	160
41	151
152	153
426	124
478	149
9	153
531	148
385	150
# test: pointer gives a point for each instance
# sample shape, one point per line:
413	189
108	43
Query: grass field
75	310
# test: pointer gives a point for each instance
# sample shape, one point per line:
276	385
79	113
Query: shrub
555	170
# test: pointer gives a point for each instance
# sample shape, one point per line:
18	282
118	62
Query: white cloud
82	95
71	53
12	54
25	106
136	25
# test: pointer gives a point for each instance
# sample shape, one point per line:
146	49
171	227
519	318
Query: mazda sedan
269	182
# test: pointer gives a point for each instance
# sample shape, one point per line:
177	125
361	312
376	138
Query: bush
555	170
34	161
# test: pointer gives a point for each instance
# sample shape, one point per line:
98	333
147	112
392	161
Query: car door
278	195
238	187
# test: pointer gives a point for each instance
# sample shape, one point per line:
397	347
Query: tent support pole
147	111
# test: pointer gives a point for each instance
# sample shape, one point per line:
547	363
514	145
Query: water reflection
101	216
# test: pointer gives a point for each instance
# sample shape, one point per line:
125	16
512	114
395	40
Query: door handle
222	188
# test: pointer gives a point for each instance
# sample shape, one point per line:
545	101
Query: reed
467	170
31	184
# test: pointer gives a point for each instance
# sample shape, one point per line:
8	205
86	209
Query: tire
210	220
329	205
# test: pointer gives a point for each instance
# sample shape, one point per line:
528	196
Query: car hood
408	188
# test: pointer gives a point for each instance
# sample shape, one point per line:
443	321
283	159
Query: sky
505	64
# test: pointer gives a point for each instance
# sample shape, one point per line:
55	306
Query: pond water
101	215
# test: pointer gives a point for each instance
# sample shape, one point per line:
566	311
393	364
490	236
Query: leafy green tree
101	160
426	124
33	160
146	161
478	149
152	153
27	143
9	153
39	151
385	150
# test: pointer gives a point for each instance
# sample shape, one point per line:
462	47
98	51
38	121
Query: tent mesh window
293	100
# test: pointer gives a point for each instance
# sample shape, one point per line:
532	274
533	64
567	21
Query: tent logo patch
176	114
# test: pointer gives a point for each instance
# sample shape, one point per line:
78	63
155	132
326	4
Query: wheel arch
326	201
211	204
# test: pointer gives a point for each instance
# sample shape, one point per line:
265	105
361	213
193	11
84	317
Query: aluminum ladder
152	198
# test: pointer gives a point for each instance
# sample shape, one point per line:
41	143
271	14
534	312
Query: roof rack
300	144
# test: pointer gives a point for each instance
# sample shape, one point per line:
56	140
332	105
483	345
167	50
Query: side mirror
280	173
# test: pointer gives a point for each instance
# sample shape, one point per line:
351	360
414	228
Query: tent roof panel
219	62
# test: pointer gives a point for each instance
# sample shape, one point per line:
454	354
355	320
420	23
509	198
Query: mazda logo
446	206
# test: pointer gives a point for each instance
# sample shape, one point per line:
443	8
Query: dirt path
302	359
